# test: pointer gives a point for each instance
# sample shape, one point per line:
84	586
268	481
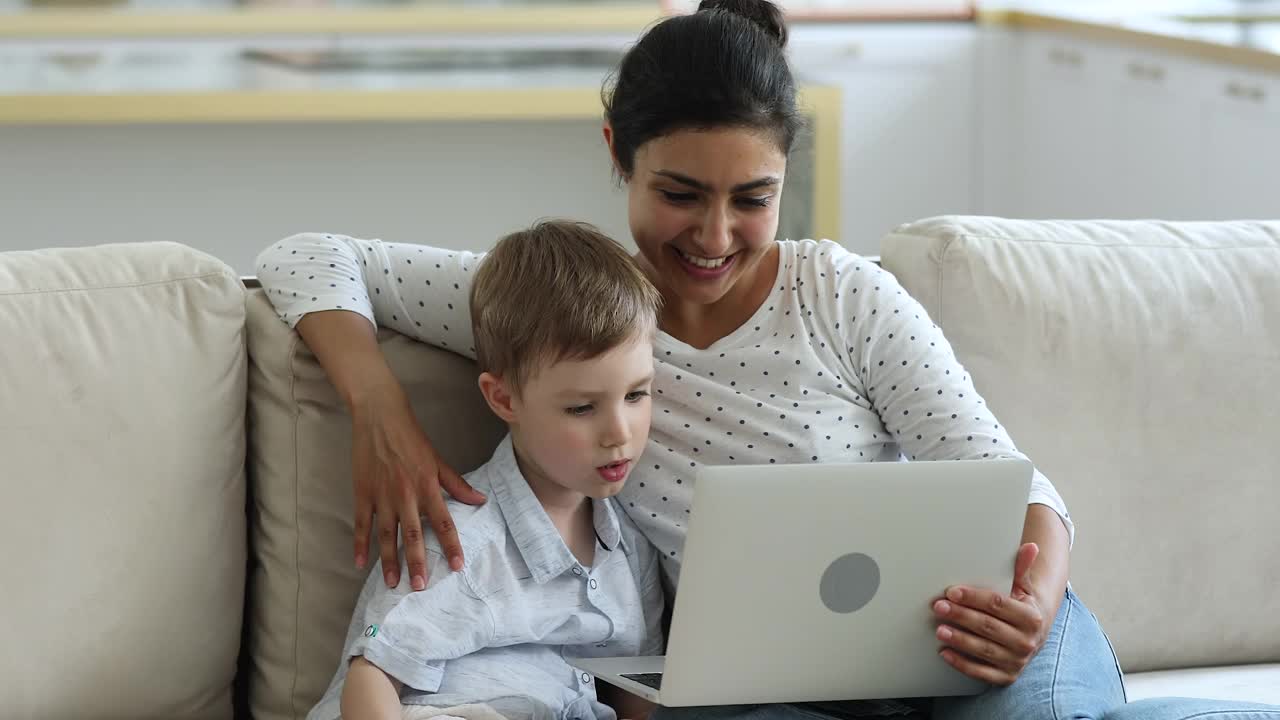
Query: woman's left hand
991	636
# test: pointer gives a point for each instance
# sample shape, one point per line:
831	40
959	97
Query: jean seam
1057	661
1232	712
1124	691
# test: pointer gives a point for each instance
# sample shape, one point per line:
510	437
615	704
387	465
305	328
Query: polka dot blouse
838	364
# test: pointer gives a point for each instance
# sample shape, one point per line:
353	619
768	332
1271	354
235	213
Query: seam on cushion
1042	241
942	264
297	543
122	286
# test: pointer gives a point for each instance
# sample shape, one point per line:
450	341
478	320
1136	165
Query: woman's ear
613	156
498	396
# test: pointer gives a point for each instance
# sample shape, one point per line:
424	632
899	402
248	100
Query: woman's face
703	206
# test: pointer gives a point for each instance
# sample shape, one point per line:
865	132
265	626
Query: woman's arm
928	402
396	472
369	693
908	371
416	290
335	290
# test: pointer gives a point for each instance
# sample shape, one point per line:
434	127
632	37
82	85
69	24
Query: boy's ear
498	395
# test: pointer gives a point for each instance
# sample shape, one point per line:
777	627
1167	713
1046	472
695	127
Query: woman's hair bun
764	14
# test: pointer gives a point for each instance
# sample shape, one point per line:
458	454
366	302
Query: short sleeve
412	635
417	290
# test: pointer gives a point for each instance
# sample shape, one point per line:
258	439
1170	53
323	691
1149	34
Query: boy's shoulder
480	527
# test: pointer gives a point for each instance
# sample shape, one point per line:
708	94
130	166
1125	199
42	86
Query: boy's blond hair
560	290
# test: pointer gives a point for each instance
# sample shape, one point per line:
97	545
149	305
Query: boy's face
581	425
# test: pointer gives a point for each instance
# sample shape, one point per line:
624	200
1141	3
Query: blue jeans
1075	676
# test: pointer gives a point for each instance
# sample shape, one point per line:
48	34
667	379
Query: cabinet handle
1142	71
1246	92
1062	56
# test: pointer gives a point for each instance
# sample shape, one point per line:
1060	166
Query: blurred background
227	124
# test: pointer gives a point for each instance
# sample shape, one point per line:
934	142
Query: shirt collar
537	539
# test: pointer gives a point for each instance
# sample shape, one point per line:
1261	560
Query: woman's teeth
703	262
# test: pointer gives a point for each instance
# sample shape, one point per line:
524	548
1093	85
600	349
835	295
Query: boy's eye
637	395
677	197
578	410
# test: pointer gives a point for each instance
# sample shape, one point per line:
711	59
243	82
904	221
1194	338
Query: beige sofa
176	482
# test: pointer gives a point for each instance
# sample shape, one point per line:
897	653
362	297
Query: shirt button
577	571
593	584
586	678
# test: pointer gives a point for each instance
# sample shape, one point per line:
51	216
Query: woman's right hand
398	477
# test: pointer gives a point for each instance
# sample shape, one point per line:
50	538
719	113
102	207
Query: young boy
564	324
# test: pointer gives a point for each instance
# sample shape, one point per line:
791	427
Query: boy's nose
616	432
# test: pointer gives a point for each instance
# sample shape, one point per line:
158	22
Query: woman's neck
701	325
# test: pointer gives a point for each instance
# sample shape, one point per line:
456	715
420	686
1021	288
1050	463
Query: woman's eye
756	202
677	197
578	410
637	395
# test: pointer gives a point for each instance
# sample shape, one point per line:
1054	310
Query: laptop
816	582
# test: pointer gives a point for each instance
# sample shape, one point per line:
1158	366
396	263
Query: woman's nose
715	236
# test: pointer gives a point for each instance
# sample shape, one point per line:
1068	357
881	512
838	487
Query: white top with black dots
838	364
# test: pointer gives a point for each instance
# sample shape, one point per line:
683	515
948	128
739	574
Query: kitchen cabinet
1242	144
907	135
1108	131
1158	136
1064	143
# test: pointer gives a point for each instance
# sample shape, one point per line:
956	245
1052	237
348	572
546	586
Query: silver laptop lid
812	582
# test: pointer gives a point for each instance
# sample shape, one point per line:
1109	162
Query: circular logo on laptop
849	583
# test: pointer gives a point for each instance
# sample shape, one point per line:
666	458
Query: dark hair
722	66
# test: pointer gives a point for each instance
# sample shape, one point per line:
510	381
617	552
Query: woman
770	352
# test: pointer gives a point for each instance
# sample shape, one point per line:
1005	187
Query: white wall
233	189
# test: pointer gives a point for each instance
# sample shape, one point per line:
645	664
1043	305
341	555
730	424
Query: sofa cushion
1247	683
1135	363
304	583
122	438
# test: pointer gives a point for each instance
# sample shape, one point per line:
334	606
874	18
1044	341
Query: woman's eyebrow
704	187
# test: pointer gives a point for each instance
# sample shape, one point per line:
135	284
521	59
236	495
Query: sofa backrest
303	583
122	451
1136	364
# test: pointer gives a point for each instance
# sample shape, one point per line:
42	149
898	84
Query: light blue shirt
498	631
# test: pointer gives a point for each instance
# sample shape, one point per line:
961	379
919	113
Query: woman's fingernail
944	633
419	583
455	563
360	561
942	607
391	579
955	594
